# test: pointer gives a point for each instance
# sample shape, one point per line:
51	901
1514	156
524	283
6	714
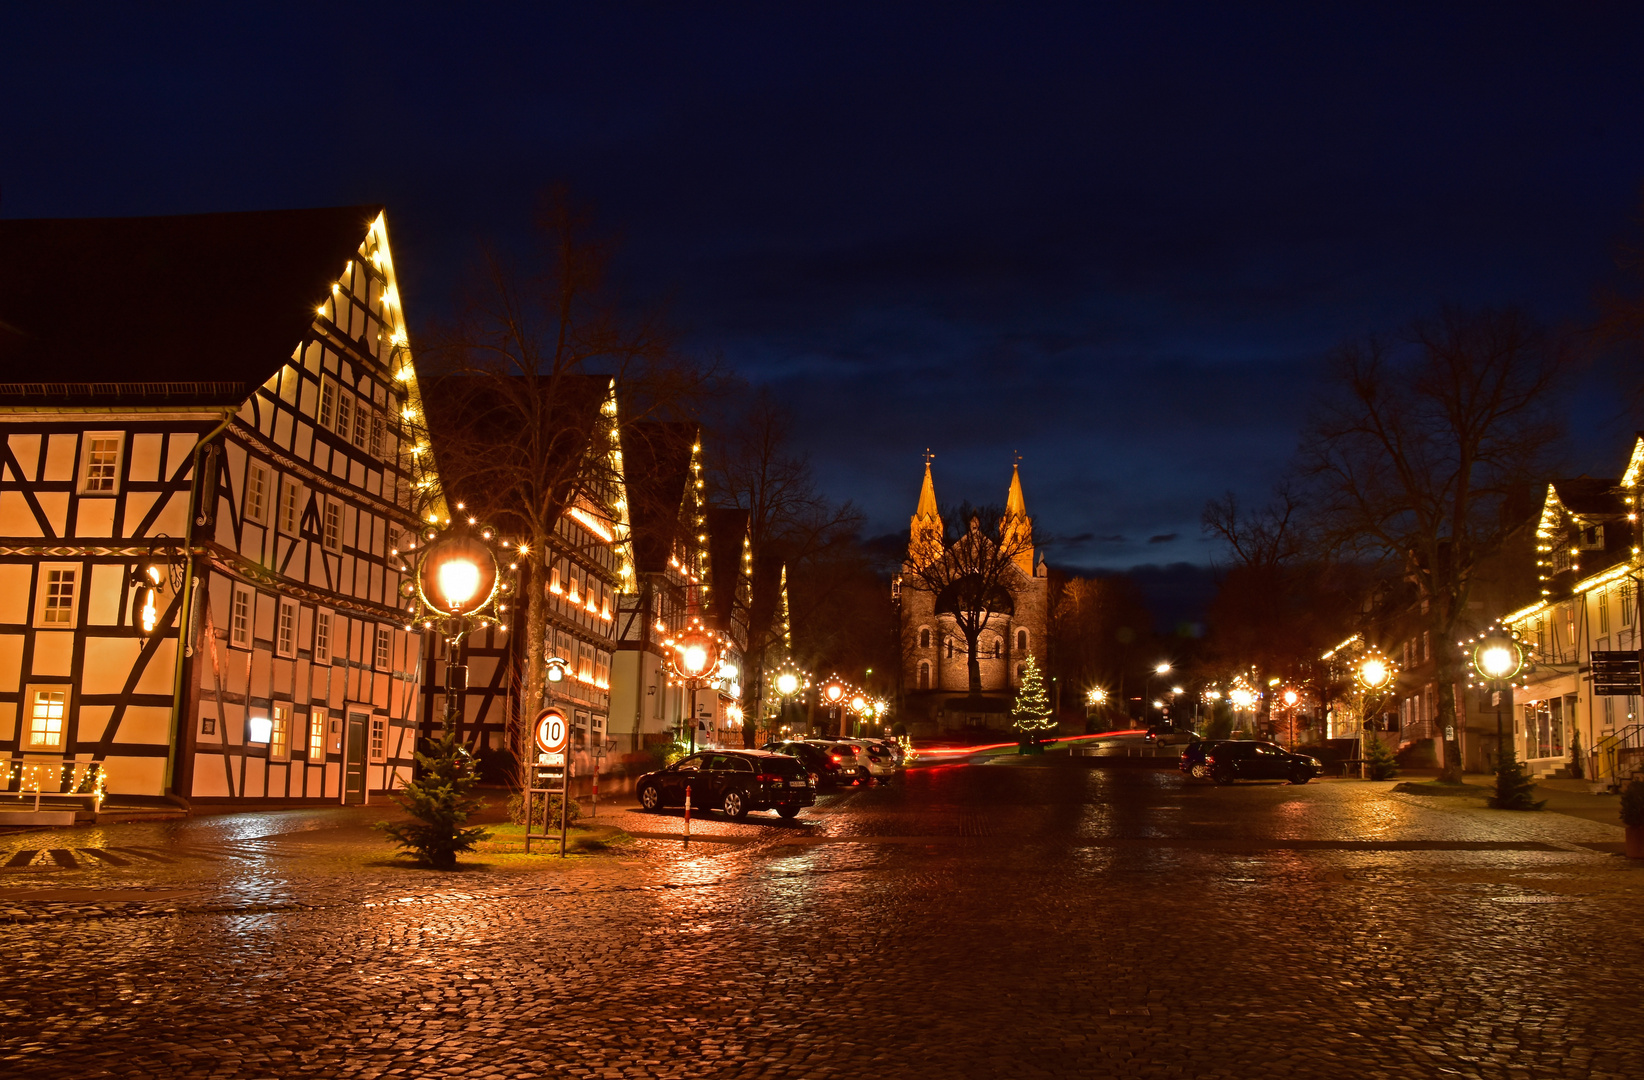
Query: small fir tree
1031	713
1577	769
440	797
1379	762
1514	788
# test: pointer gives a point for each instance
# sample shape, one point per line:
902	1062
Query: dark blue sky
1115	240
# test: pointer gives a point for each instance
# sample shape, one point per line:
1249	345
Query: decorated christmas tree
439	798
1514	788
1031	713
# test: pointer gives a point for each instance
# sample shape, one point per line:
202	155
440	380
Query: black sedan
1246	759
732	781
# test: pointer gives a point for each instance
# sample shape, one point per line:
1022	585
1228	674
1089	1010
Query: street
1021	919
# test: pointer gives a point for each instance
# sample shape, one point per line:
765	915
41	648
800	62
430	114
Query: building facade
935	654
240	447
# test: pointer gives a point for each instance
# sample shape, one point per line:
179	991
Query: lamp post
834	692
1291	698
693	657
1161	668
789	681
459	585
1374	673
1497	657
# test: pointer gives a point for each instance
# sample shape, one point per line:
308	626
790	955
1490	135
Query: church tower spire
1017	527
925	531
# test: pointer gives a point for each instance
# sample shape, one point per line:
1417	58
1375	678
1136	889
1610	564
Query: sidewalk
1572	797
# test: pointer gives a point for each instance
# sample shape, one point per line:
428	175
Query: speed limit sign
553	733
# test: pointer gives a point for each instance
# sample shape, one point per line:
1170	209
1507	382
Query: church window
1021	672
924	675
1021	641
924	638
998	648
950	648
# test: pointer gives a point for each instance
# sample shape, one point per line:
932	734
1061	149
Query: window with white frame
332	536
285	633
1602	598
59	591
322	637
239	618
362	424
328	402
377	431
256	493
47	717
384	651
345	413
316	734
279	733
100	464
379	738
1626	602
291	506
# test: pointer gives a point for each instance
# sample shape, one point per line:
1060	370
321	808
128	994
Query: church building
990	585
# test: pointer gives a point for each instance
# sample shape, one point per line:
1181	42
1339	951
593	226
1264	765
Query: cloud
1162	538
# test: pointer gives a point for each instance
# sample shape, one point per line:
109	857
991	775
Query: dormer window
1590	538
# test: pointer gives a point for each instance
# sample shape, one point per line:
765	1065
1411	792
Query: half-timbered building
212	402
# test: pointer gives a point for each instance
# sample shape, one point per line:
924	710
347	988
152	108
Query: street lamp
835	692
1374	673
1497	657
694	658
789	681
1161	668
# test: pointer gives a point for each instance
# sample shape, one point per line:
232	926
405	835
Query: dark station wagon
732	781
1225	761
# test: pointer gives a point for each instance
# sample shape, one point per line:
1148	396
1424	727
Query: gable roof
195	307
727	529
656	464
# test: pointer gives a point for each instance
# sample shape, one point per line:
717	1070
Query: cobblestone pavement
1058	919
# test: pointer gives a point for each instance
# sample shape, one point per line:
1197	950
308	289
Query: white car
856	759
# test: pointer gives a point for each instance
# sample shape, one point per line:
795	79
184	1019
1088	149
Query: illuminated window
48	708
291	512
285	634
316	734
322	637
256	493
57	595
101	467
279	733
328	402
383	650
239	618
259	729
379	738
332	537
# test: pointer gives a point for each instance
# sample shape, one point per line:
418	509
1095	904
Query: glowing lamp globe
1242	698
787	684
1161	669
859	703
833	691
457	575
1374	673
693	659
1498	658
1291	697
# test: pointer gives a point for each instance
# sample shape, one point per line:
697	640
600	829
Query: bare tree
970	578
790	523
522	404
1416	447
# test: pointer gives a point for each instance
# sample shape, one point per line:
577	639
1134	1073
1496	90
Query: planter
1635	841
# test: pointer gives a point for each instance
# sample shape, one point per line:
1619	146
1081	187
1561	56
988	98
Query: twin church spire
925	532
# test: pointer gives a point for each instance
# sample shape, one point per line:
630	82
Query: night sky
1117	243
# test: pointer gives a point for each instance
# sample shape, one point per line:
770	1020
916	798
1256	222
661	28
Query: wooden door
354	761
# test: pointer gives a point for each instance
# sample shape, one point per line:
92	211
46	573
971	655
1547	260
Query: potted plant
1632	816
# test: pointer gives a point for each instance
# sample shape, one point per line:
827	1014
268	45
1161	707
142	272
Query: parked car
1192	759
1242	759
826	770
865	758
732	781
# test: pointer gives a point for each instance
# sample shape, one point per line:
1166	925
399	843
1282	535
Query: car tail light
1209	759
836	757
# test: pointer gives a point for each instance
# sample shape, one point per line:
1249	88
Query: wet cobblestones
976	922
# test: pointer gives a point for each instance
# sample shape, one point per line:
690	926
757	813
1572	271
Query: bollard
596	795
687	815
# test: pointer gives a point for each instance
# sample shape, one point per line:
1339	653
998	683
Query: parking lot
1052	918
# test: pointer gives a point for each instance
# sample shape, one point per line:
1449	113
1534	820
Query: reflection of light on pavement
954	751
